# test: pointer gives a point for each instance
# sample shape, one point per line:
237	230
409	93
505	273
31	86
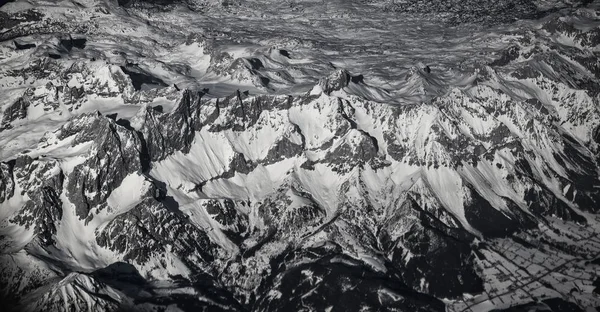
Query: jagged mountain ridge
242	202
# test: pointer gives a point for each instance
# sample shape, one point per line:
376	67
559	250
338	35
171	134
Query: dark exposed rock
354	151
279	216
543	202
33	21
240	164
167	133
335	81
116	154
255	63
243	112
208	298
421	199
582	170
32	174
538	105
43	181
590	38
395	150
343	285
559	304
140	79
284	53
283	149
464	150
5	2
16	111
156	144
69	43
43	212
78	42
441	255
226	214
12	22
23	46
586	37
119	272
308	215
150	228
525	72
66	44
7	183
508	55
486	219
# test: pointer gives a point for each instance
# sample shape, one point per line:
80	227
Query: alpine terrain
309	155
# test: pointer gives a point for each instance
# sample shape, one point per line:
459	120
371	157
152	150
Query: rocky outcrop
7	183
115	153
311	277
152	228
335	81
43	182
165	133
16	111
430	256
76	292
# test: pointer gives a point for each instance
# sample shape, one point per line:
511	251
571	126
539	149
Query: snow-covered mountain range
299	155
